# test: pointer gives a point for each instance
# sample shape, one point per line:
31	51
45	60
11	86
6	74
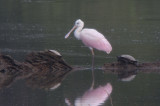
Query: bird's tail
109	48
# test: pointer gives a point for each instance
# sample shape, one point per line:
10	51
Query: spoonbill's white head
78	24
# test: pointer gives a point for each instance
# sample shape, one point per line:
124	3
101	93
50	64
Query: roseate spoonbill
90	37
93	97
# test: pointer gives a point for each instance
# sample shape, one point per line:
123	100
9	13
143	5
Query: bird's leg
92	67
92	79
92	58
92	51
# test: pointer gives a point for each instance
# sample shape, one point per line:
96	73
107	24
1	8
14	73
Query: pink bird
90	37
93	97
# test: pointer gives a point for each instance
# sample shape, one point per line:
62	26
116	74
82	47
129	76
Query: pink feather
92	38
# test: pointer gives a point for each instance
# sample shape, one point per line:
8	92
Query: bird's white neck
77	32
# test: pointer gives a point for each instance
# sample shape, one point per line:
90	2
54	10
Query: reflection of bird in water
90	37
93	97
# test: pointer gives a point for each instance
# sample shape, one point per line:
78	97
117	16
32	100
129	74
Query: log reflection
44	69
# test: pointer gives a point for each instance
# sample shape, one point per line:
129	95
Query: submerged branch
45	69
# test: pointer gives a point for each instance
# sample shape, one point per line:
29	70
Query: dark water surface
132	27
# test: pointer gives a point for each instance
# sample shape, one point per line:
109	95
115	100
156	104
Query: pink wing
94	39
95	97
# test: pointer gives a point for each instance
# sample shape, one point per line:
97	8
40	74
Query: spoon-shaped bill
67	35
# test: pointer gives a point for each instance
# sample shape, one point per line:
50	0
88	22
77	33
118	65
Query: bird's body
90	37
93	39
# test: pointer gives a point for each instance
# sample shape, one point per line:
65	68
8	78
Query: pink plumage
95	97
92	38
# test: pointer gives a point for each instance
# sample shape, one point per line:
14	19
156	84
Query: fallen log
44	69
127	63
127	72
10	70
140	66
49	69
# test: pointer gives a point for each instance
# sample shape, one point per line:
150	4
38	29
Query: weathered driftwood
48	68
10	70
44	69
142	67
127	72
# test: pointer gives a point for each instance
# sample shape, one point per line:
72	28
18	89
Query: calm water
132	27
